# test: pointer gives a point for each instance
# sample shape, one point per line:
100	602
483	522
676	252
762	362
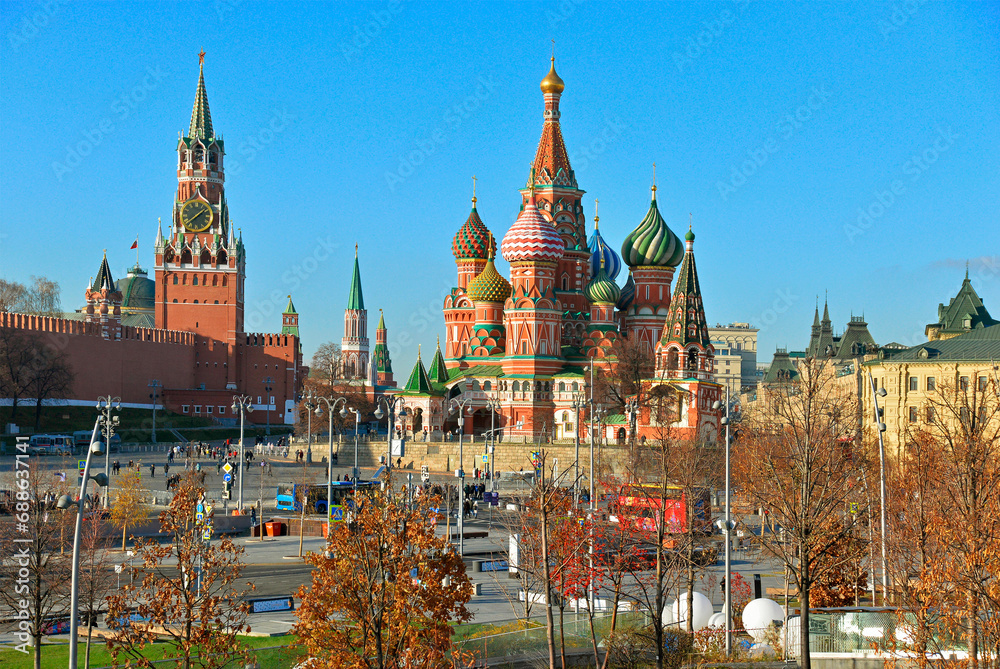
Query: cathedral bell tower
200	261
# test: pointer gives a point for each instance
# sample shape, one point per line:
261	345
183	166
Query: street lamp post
459	406
155	385
330	407
109	422
577	404
729	543
495	407
268	387
880	428
390	402
95	448
242	404
355	473
309	433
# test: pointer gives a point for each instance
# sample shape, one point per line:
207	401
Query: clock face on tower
196	215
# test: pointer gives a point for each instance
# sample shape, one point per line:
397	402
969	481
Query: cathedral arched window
672	360
516	386
576	386
199	155
225	280
562	386
175	279
487	386
221	259
692	359
215	279
186	257
475	385
206	257
194	281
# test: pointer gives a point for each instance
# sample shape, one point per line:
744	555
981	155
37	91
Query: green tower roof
438	372
418	381
356	300
201	117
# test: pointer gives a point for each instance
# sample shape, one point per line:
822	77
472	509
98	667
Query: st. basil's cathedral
520	349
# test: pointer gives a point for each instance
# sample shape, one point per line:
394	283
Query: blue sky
841	146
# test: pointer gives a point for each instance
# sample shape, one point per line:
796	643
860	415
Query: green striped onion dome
652	243
601	289
473	241
489	286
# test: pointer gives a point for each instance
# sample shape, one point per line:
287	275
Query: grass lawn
57	654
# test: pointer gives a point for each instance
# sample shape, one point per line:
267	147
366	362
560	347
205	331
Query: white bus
50	444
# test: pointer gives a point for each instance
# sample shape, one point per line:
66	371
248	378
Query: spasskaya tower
200	262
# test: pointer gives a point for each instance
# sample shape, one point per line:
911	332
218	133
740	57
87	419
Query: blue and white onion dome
599	250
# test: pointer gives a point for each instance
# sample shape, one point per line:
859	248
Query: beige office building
735	355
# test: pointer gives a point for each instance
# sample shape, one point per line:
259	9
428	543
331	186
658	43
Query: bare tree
326	367
96	582
796	463
40	297
15	367
51	376
32	542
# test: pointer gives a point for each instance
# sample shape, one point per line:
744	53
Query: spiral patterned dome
652	243
599	250
627	294
489	285
601	289
532	237
473	240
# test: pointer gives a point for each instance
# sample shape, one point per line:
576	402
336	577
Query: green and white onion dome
601	289
652	243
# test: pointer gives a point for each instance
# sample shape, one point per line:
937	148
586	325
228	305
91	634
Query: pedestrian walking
152	470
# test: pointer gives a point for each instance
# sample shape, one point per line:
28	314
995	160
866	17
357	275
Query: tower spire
653	189
597	209
201	117
473	191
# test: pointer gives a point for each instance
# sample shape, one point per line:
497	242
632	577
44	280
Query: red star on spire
201	57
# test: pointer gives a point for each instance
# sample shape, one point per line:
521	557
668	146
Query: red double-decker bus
645	505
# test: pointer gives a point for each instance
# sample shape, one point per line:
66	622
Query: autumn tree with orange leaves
946	532
385	591
185	592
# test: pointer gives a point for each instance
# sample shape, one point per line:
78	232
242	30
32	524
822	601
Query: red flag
135	244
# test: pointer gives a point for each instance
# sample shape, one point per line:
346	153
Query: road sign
207	534
199	516
81	465
486	458
338	514
227	468
227	477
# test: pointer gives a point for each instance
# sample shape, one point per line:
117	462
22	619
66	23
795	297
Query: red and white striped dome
531	237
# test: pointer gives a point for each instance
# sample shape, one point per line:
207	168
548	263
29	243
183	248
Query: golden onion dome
552	83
